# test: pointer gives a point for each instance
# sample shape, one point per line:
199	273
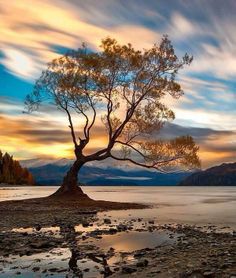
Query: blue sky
31	35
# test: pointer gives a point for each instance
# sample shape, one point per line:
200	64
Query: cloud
42	134
205	118
172	130
180	27
215	145
28	34
9	106
206	29
31	35
219	61
19	63
28	136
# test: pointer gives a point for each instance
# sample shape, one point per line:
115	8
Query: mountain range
51	172
222	175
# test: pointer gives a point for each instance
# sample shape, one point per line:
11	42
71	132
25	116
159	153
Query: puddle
132	241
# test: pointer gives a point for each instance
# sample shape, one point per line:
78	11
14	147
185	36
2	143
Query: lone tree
122	89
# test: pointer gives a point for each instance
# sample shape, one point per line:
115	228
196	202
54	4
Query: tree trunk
70	186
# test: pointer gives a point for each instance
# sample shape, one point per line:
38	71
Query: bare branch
71	128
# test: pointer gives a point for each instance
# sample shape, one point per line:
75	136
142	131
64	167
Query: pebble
128	269
209	274
142	263
107	221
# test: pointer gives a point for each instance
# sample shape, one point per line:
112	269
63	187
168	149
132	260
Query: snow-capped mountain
38	162
52	171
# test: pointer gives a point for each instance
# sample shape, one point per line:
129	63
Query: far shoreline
90	185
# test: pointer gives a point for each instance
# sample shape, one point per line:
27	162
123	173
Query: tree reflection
70	236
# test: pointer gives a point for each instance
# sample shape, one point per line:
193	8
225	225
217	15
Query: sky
33	33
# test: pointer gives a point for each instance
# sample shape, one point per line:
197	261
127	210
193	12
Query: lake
171	204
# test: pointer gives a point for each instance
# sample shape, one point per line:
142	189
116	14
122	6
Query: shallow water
131	241
192	205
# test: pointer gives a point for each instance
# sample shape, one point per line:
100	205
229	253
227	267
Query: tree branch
130	146
136	163
71	127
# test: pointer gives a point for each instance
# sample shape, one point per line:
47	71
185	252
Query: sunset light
118	138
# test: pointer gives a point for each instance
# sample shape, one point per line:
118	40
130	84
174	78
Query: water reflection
70	236
131	241
71	251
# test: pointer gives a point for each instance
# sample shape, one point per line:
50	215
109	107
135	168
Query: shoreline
90	185
46	211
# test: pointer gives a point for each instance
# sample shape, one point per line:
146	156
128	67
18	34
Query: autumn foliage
122	91
11	171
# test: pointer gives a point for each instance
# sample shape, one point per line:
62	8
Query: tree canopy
124	90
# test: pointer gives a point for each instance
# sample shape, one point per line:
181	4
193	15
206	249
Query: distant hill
51	172
222	175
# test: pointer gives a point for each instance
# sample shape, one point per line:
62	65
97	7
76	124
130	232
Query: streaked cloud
31	34
205	118
215	145
28	33
30	136
27	138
